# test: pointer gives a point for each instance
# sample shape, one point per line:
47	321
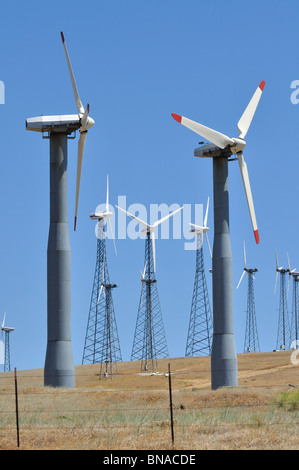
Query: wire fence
129	412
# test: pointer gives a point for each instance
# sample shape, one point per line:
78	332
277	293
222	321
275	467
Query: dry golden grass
131	411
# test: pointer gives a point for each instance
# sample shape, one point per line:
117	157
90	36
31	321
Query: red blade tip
262	84
256	235
177	117
62	36
75	223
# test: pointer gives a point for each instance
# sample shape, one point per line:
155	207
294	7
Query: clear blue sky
136	62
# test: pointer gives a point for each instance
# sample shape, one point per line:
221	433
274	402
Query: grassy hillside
131	410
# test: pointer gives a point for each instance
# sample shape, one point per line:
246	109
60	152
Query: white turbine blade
241	279
3	322
251	275
246	118
75	90
100	293
81	144
244	256
276	259
206	234
143	273
134	217
221	140
107	196
154	249
166	217
198	227
275	282
2	352
112	235
206	216
245	177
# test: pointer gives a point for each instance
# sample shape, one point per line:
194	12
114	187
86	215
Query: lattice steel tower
251	342
200	334
149	339
102	341
295	307
283	334
149	342
7	330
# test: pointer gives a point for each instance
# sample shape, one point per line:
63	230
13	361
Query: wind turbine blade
245	177
158	222
206	234
221	140
100	293
154	249
276	259
81	144
244	256
241	279
3	322
112	235
289	262
246	118
75	90
206	216
134	217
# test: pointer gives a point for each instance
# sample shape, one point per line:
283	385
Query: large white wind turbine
150	228
226	146
81	121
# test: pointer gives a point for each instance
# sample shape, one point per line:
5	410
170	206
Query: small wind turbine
198	229
149	229
5	358
248	271
224	371
251	343
283	333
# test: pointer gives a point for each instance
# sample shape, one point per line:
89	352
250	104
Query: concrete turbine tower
224	370
59	368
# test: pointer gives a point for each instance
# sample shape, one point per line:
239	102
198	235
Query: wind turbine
199	230
149	342
283	333
295	310
5	356
59	366
101	340
224	371
199	338
251	343
149	229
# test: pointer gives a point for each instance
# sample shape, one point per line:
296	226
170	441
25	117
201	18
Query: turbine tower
59	370
224	369
283	334
5	348
149	340
101	341
199	339
251	343
295	307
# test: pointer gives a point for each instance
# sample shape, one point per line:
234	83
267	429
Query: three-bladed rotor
232	145
86	122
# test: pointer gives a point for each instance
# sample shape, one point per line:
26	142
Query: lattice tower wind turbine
295	306
251	342
149	342
102	340
283	333
5	351
199	338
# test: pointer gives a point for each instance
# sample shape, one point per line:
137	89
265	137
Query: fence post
170	400
17	408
